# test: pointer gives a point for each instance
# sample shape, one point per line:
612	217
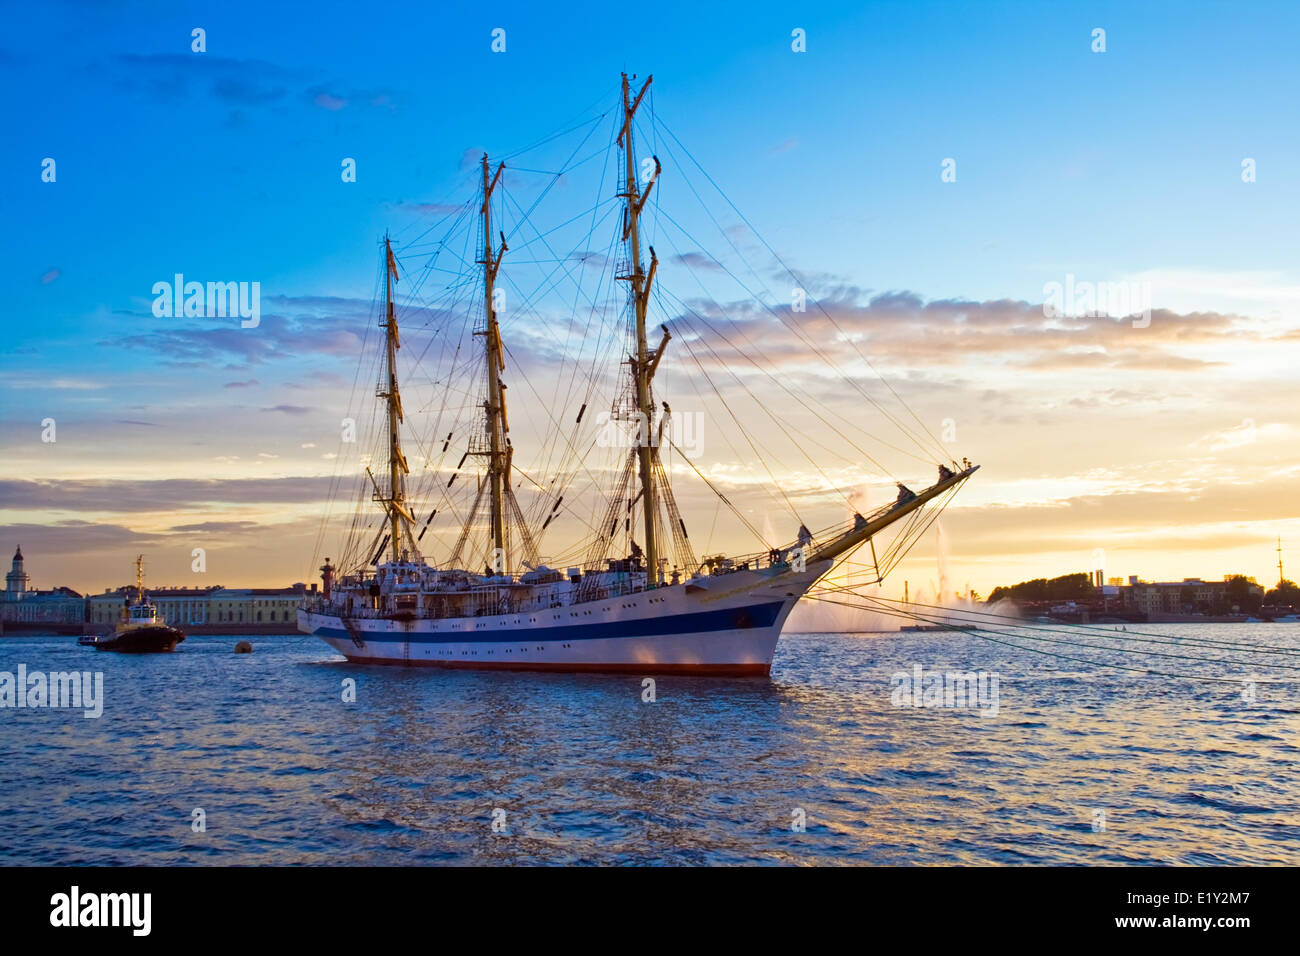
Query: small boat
144	631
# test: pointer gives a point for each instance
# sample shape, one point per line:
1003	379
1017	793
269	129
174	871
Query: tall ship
630	594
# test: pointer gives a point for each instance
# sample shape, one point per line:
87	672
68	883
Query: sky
928	170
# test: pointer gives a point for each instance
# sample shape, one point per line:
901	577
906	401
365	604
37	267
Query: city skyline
36	584
1161	443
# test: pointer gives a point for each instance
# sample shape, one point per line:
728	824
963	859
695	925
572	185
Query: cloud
29	381
241	83
1145	518
328	101
1246	433
1127	359
591	258
172	76
429	208
903	329
335	100
289	328
92	556
698	260
181	494
218	527
1246	290
292	328
50	276
75	537
244	93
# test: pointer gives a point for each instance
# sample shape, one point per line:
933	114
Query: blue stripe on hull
727	619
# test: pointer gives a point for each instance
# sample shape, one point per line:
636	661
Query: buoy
243	647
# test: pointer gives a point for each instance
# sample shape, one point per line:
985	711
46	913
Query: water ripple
815	765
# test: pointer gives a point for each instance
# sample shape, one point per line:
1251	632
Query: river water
828	761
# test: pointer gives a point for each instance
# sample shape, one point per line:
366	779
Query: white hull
726	625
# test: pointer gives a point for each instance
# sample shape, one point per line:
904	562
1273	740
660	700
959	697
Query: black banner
333	905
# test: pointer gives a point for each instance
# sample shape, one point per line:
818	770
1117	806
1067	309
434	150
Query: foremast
494	406
394	501
643	363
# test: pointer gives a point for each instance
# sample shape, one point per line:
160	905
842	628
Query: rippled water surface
713	771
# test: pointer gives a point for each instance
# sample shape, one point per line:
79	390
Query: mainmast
395	500
493	442
644	360
494	406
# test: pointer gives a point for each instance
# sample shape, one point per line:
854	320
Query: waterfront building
212	608
56	606
24	605
1188	596
218	608
178	607
255	605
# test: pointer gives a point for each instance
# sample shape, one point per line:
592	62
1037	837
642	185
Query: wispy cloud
698	260
180	494
429	208
327	101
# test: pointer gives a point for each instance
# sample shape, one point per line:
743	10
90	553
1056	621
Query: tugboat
144	631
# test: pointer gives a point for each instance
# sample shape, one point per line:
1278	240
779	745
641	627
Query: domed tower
16	581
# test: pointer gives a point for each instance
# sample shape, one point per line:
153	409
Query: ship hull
729	627
142	640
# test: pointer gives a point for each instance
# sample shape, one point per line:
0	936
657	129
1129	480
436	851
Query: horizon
1161	447
37	585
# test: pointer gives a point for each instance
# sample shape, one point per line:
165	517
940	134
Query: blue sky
225	165
1064	156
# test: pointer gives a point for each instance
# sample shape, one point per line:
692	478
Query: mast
494	407
395	501
642	362
139	579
